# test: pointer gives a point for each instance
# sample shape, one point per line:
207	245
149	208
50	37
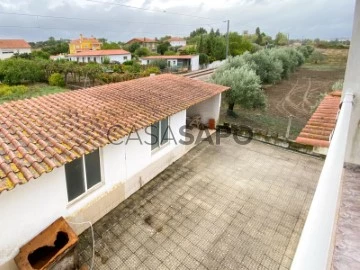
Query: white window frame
93	188
161	146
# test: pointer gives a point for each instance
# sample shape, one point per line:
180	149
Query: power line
56	28
99	20
151	10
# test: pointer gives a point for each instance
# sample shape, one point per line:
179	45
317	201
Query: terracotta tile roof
14	44
319	128
141	40
168	57
40	134
100	52
85	39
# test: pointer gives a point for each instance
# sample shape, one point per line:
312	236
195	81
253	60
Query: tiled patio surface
218	207
347	242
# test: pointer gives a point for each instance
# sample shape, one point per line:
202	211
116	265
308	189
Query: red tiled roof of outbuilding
319	128
14	44
40	134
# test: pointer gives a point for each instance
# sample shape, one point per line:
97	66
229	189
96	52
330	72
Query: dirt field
298	96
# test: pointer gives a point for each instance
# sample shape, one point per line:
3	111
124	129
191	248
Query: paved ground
218	207
347	242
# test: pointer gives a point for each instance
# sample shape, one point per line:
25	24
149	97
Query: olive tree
245	87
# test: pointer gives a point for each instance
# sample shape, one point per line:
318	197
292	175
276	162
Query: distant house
149	43
177	41
60	56
84	44
184	62
9	47
75	155
99	56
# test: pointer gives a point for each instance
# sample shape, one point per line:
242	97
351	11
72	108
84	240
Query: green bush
203	59
245	87
10	92
128	63
268	68
56	79
17	70
317	57
151	70
160	63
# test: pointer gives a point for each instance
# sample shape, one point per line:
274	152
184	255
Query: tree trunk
231	106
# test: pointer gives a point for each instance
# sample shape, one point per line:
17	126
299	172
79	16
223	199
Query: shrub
134	68
268	68
151	70
203	59
128	63
245	87
160	63
10	92
56	79
287	63
169	53
106	60
317	57
142	52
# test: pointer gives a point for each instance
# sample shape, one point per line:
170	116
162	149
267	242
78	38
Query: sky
121	20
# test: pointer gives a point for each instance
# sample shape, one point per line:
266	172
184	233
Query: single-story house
9	47
57	57
188	62
177	41
149	43
78	154
319	129
99	56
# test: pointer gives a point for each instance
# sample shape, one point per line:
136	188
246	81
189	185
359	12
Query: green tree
281	39
197	32
110	46
203	59
245	87
238	44
133	47
317	57
56	79
92	71
142	52
163	47
259	36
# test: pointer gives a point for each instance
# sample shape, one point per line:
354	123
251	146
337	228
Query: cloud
300	18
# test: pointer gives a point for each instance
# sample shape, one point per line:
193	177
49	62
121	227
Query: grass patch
323	67
261	120
29	92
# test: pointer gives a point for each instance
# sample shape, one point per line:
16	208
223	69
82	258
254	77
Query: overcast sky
325	19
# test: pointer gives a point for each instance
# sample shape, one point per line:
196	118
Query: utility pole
227	38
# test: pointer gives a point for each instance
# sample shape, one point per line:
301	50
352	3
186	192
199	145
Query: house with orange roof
177	41
9	47
319	129
149	43
98	56
84	44
79	154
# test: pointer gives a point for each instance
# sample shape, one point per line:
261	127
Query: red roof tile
141	40
176	39
319	128
100	52
14	44
40	134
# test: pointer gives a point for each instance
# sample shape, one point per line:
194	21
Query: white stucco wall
7	53
178	43
207	109
352	84
30	208
84	59
195	63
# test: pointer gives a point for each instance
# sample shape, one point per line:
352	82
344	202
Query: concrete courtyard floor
219	207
